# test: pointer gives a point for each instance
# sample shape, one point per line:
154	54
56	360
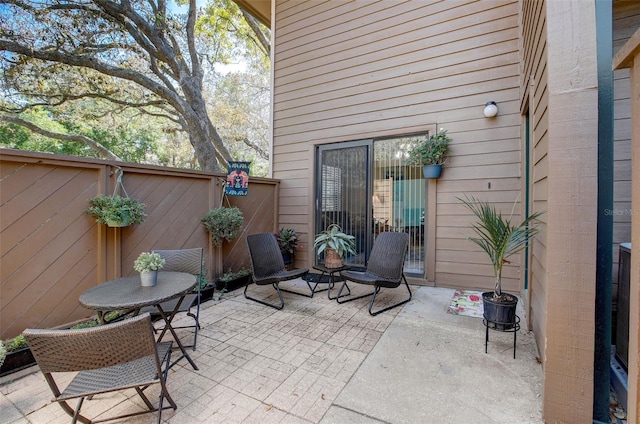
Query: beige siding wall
626	20
534	90
354	70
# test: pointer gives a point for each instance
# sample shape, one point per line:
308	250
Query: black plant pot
500	313
16	361
232	285
206	293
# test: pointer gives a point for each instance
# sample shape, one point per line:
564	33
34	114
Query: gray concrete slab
430	367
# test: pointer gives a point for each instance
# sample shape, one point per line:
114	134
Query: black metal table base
331	273
505	327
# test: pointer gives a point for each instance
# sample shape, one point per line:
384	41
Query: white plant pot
149	279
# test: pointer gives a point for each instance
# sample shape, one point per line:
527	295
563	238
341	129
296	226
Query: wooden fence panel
51	250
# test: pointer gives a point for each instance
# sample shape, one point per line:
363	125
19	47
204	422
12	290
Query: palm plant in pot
431	153
335	244
500	239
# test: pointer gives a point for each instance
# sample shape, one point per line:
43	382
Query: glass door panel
399	197
342	196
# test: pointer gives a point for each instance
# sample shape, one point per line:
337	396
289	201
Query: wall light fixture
490	109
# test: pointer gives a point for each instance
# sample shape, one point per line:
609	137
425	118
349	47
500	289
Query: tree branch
103	151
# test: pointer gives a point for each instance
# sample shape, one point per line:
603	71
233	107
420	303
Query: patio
319	362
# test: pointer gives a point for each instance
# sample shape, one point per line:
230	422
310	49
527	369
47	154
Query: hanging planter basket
115	210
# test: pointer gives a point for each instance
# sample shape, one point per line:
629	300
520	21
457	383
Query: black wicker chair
108	358
267	267
189	261
384	269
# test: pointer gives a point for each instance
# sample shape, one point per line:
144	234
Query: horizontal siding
626	20
355	70
534	93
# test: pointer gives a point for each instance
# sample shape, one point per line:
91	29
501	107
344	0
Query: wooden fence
51	250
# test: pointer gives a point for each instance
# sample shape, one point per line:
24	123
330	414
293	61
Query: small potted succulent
335	244
431	153
148	264
116	211
288	242
223	224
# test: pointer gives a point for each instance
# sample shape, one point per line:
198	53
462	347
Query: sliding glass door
342	193
366	187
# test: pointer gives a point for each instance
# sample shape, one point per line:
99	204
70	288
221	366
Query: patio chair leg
344	284
273	305
373	298
298	293
145	399
76	414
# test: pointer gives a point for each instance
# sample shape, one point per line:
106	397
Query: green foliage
202	279
148	261
223	224
432	150
86	324
335	239
17	343
109	209
3	353
106	80
287	240
497	236
128	137
240	104
227	34
230	275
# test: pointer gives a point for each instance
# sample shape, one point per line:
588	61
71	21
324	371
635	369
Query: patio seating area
316	361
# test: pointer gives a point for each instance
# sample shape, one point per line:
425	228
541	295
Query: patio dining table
128	294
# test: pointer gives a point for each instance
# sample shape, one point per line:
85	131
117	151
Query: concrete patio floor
317	361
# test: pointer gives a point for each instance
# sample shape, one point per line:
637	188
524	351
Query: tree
129	54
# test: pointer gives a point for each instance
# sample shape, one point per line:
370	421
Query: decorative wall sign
237	179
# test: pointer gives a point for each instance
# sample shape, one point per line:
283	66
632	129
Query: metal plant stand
505	327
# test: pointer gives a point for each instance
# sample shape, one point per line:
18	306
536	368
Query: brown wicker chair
267	267
384	269
107	358
189	261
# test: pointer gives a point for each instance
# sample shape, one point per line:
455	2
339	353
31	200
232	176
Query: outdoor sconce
490	110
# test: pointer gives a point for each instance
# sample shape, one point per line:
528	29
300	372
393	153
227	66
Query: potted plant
116	211
500	239
223	224
288	242
148	264
431	153
231	280
335	244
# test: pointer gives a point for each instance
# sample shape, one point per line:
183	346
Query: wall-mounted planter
432	171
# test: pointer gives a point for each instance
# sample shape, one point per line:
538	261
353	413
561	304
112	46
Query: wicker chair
107	358
267	267
189	261
384	269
